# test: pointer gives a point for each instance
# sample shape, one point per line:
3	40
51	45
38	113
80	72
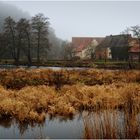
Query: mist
16	13
12	11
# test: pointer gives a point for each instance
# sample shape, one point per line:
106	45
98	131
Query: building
114	47
84	47
134	50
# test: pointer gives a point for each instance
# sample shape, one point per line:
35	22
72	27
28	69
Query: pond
75	128
55	68
52	128
44	67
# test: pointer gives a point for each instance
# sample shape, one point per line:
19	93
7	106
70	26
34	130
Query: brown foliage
31	103
19	78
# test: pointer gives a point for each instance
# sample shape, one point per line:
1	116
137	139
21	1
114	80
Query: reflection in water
6	122
83	125
59	127
22	127
111	125
43	67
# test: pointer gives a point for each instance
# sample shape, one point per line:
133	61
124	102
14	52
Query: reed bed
110	124
19	78
31	103
111	96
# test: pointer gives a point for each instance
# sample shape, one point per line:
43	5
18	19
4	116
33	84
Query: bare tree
136	33
19	37
127	38
9	31
24	28
10	34
40	28
90	50
2	48
67	50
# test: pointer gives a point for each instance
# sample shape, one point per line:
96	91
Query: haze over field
84	18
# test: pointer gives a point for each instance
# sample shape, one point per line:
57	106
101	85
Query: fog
85	18
16	13
10	10
73	18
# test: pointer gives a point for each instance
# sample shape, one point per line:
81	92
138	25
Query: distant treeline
29	40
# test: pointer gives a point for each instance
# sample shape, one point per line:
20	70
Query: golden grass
32	103
19	78
110	124
28	95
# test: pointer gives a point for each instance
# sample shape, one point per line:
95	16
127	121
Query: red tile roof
135	48
80	43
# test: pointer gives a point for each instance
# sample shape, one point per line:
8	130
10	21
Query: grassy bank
52	63
109	64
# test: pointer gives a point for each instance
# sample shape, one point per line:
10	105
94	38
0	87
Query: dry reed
31	103
110	124
111	96
19	78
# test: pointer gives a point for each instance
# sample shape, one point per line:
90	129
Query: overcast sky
83	18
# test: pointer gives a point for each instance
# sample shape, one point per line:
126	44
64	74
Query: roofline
118	35
87	37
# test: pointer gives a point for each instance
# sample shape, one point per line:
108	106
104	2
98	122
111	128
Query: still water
51	128
74	128
43	67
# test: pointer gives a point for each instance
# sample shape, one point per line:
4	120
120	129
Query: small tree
136	33
2	48
10	35
19	37
67	50
40	28
90	50
24	28
127	37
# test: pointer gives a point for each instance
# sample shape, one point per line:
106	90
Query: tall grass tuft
31	103
110	124
19	78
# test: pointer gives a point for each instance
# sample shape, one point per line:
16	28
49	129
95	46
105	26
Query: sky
85	18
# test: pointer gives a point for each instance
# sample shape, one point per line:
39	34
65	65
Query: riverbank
110	64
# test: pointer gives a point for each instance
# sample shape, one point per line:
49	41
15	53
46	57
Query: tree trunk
29	51
38	50
13	45
18	50
139	51
13	51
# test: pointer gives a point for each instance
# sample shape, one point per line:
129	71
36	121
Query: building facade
84	47
115	47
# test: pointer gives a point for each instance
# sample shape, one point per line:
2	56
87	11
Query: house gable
80	44
118	44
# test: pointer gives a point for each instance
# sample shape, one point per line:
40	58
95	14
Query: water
52	128
52	68
64	128
44	67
